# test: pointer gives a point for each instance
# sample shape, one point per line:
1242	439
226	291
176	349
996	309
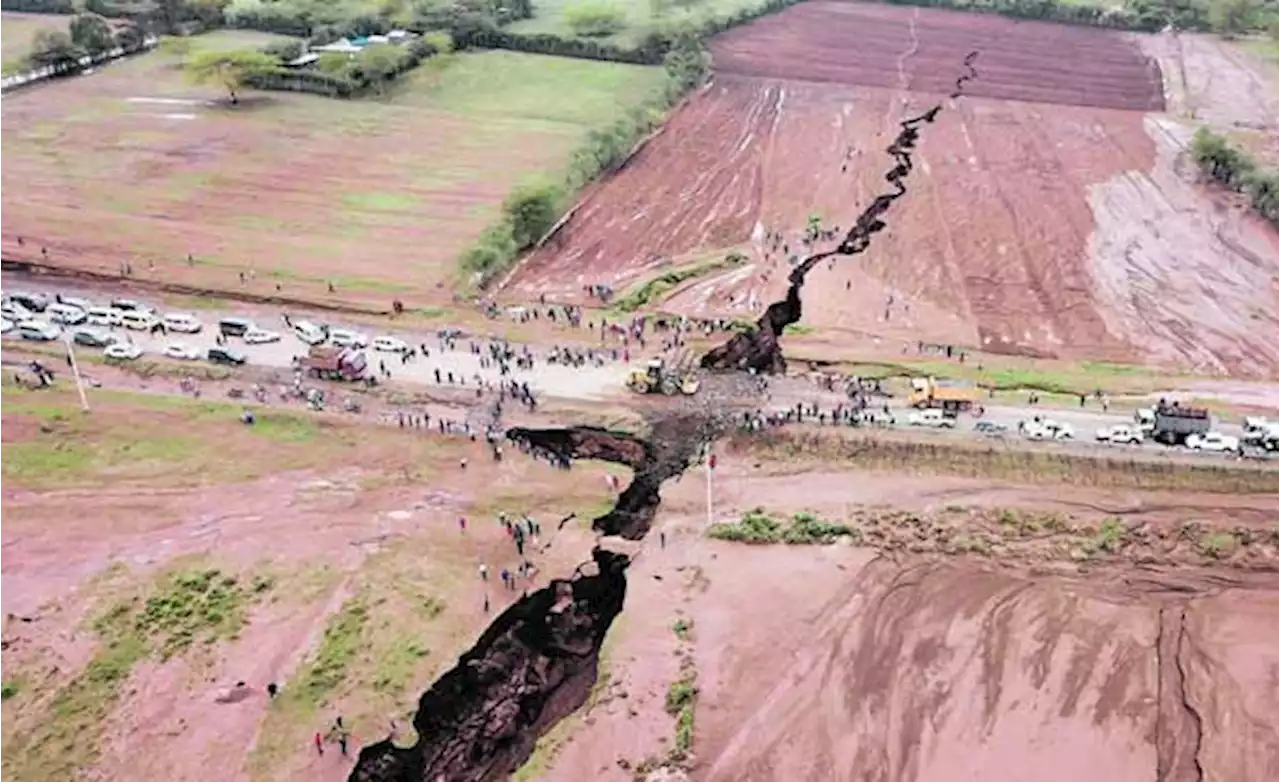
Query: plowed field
1030	228
921	49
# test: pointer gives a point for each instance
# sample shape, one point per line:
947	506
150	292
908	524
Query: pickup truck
1045	429
1213	441
933	418
1120	434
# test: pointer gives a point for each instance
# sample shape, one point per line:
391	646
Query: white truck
1046	429
1213	441
933	417
1120	434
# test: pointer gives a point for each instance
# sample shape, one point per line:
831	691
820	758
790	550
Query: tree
92	33
230	69
178	46
1264	193
1229	18
531	211
376	64
54	48
130	37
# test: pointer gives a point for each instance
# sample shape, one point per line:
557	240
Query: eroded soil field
876	45
1029	228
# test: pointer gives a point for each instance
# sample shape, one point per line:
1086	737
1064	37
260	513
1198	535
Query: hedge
353	83
40	6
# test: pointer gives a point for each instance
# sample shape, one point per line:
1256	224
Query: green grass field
16	32
549	17
377	196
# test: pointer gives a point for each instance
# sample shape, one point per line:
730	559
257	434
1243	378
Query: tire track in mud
537	662
758	350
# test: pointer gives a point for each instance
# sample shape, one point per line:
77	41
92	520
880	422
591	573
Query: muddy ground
1030	228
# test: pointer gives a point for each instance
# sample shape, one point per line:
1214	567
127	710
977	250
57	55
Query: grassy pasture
134	163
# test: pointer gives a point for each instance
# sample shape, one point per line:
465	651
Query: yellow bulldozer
658	378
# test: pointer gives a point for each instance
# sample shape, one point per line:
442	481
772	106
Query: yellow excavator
658	378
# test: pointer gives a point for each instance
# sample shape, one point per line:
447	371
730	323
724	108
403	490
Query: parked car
39	331
105	316
387	344
235	327
1046	429
225	356
66	314
990	428
1213	441
122	351
92	338
138	320
308	332
6	325
260	336
183	323
181	352
932	417
130	305
15	312
346	338
74	301
1120	434
36	302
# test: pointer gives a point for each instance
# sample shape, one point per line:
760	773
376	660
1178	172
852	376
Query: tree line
88	36
1233	168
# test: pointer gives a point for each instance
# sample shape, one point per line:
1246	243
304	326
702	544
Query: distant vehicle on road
39	331
66	314
387	344
122	351
260	336
105	316
6	325
14	311
235	327
1046	429
183	323
182	352
953	395
333	363
1120	434
990	428
1213	441
130	305
138	320
1174	423
36	302
308	332
226	356
346	338
932	418
92	338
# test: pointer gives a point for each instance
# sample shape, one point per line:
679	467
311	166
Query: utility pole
75	371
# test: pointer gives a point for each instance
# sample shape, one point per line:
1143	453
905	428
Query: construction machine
953	395
658	378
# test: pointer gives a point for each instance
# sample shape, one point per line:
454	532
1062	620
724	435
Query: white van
138	320
182	322
308	332
66	314
105	316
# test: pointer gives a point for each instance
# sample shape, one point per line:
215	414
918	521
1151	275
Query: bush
531	211
91	33
596	19
1233	168
40	6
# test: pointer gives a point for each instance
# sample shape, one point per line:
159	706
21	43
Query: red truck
334	363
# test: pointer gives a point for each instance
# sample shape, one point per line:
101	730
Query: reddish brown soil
920	49
974	238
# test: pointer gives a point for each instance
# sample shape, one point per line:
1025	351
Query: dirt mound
876	45
535	665
941	671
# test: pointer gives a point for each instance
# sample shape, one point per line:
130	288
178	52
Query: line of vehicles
333	353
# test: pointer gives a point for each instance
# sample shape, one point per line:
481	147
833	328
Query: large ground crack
758	349
537	662
1179	727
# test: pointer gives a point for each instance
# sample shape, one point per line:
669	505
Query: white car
66	314
346	338
35	302
74	301
39	331
934	418
1120	434
183	323
182	352
260	336
15	311
6	325
105	316
1047	430
387	344
308	332
122	351
1212	441
138	320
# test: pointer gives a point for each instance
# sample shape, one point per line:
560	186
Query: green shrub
1235	169
595	19
531	210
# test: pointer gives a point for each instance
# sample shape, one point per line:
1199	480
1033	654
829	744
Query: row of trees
1233	168
88	35
531	210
